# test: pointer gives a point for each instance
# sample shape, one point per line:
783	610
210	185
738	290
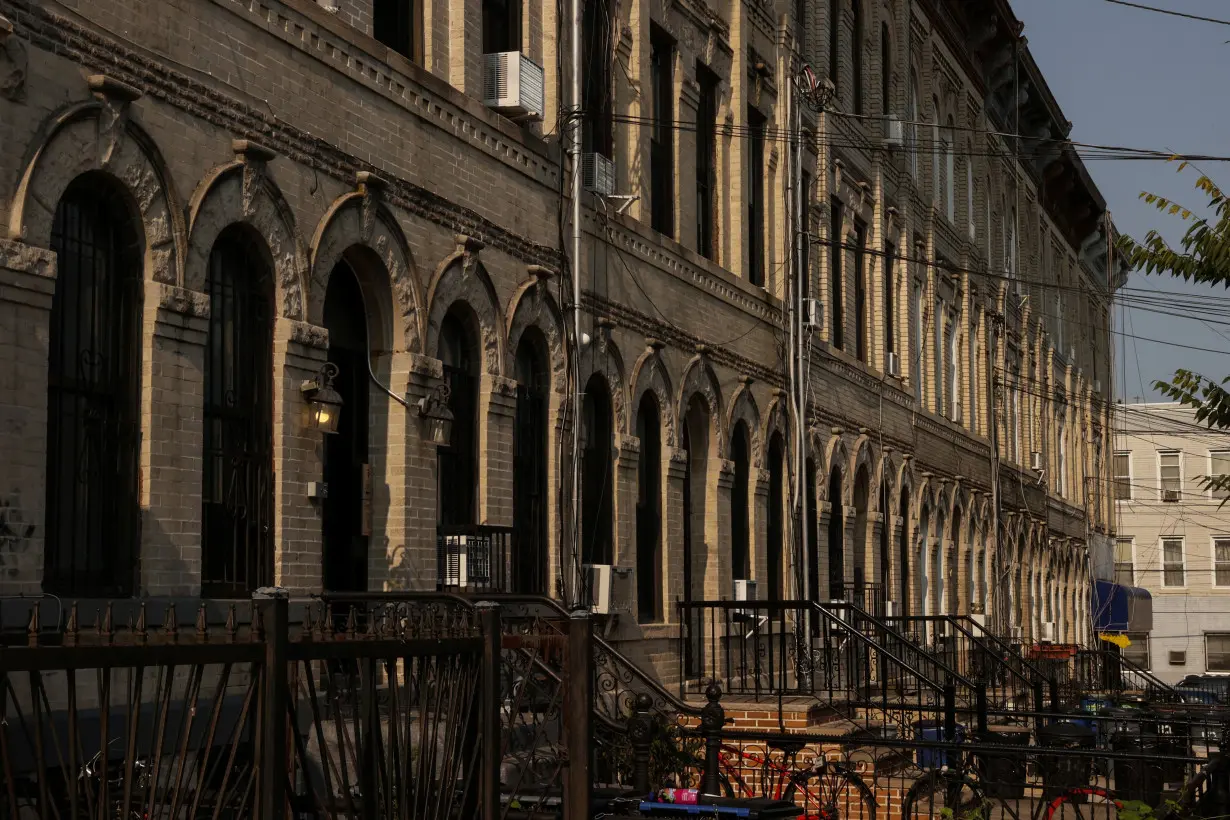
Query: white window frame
1213	493
1161	489
1213	553
1115	475
1061	433
952	361
940	314
1182	562
975	346
1208	635
1115	563
920	338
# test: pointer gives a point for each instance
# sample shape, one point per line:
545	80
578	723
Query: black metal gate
93	396
237	497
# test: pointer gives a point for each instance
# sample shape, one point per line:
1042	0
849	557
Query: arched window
237	498
813	536
903	552
777	503
530	455
740	535
837	569
649	512
936	569
458	462
597	486
913	115
856	55
92	519
886	69
937	181
862	498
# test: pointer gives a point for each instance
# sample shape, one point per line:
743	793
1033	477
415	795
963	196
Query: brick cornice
158	80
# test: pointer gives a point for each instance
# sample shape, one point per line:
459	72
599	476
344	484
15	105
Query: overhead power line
1170	12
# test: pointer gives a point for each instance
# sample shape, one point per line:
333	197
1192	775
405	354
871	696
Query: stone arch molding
461	277
100	136
533	306
602	357
743	408
243	192
649	374
699	379
361	218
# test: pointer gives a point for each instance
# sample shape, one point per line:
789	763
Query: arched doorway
903	552
884	579
529	564
863	593
952	602
696	440
598	434
740	530
777	504
458	461
92	522
346	525
936	568
813	534
237	498
649	511
837	520
923	564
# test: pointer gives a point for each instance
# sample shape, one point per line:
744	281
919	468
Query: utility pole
572	577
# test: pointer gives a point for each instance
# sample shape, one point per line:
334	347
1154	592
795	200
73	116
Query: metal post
579	702
712	719
981	706
489	717
640	729
274	612
950	711
1054	695
1039	705
572	579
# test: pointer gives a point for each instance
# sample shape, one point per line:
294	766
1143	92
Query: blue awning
1118	608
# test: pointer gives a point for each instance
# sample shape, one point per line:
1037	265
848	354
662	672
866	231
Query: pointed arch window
649	511
597	486
237	499
92	522
777	502
530	456
458	462
740	497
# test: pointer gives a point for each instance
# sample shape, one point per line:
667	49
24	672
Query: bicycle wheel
947	795
1085	803
831	791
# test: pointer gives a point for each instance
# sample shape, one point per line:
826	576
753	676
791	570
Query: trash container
1136	779
1173	729
1003	773
1062	772
933	730
1094	706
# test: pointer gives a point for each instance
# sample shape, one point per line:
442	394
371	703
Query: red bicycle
825	790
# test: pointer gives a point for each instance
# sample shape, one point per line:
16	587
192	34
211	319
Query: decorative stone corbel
13	62
254	157
891	220
839	169
469	248
115	97
371	188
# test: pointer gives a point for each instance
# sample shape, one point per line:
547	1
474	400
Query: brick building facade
204	201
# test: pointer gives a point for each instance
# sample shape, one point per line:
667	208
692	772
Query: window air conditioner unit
813	317
892	609
958	414
1047	633
598	588
980	619
1017	633
1170	496
894	365
1035	462
894	132
598	174
513	85
745	590
1178	657
1097	385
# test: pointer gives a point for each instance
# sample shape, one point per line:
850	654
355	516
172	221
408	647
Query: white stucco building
1173	537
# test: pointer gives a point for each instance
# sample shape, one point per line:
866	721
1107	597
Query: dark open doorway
346	510
530	467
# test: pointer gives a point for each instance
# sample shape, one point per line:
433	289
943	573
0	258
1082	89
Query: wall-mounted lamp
324	404
437	418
